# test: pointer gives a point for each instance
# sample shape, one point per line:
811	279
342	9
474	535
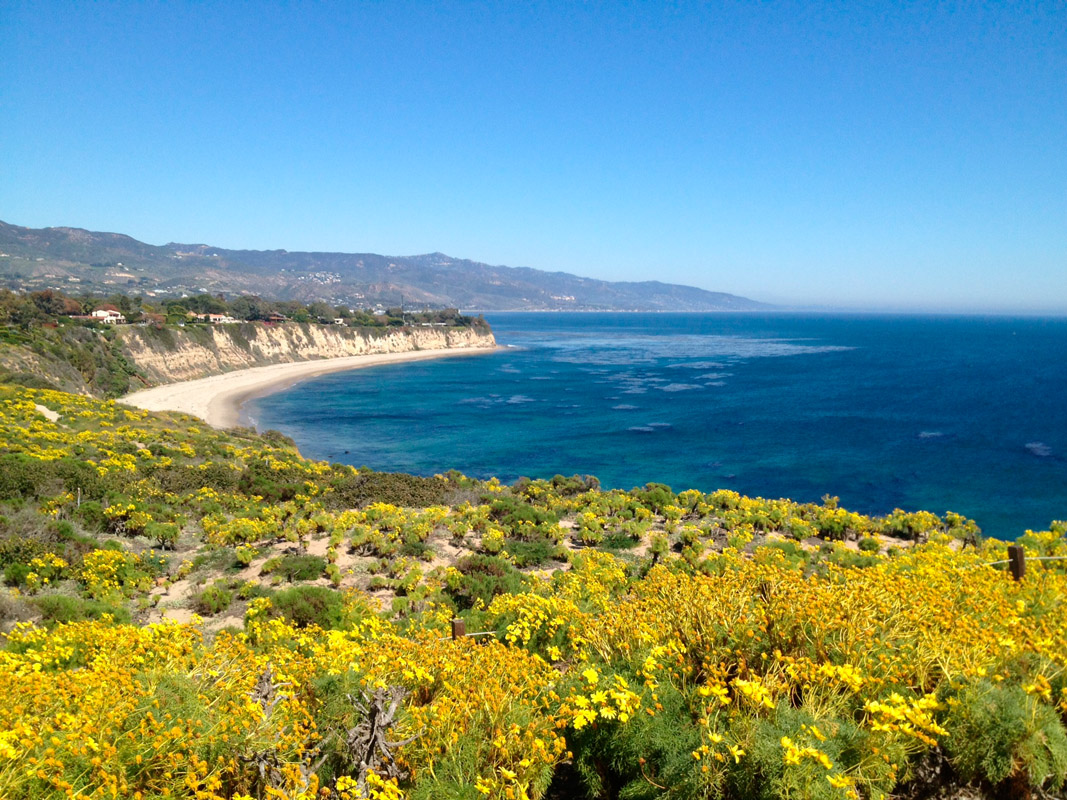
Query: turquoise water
939	413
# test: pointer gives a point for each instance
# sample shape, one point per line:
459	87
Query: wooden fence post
459	629
1016	561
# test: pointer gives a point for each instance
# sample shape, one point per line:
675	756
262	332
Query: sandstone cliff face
178	354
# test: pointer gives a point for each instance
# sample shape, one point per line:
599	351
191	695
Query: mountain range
75	260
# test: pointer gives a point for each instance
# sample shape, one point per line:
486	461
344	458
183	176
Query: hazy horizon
885	158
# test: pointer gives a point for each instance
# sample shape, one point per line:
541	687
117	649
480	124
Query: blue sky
849	154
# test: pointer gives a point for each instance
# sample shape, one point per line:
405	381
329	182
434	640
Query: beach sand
218	399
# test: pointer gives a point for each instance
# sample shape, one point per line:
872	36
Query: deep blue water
939	413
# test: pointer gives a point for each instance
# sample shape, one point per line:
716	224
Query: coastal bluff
169	354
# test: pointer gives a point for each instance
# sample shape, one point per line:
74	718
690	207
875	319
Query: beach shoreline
218	399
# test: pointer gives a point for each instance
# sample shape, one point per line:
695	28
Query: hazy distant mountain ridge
73	260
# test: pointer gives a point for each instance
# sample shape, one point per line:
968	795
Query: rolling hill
75	260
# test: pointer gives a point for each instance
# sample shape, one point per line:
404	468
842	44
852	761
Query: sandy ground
218	399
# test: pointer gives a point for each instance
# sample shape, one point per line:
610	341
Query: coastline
217	399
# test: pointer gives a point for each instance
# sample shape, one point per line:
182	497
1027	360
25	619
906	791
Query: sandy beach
217	399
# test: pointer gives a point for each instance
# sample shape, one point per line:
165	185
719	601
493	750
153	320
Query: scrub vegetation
203	614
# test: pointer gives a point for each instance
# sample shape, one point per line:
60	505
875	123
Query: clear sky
848	154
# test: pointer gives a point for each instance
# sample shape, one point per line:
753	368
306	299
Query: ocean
967	414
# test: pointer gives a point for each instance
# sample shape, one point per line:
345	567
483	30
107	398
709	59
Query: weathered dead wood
367	742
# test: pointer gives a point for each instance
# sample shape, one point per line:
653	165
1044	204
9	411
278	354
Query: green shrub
619	540
185	479
356	489
277	439
846	558
15	573
523	520
91	514
529	554
482	578
273	485
22	475
416	548
310	605
1000	732
575	484
766	775
333	572
245	555
868	544
164	534
300	568
251	589
155	564
795	555
639	759
655	496
20	550
58	608
212	600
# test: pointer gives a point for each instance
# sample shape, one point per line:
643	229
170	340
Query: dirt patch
47	412
318	547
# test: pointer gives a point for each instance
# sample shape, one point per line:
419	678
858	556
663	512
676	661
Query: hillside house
109	315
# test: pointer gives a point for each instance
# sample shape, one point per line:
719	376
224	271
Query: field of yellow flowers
192	613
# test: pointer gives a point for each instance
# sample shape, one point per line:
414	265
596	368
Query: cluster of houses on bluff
110	315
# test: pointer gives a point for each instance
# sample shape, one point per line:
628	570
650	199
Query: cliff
115	360
166	355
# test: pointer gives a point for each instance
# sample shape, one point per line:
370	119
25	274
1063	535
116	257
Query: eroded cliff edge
167	355
113	361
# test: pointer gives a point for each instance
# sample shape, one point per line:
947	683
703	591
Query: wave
697	365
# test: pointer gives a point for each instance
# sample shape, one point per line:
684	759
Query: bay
916	412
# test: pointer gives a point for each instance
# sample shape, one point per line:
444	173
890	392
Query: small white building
108	316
